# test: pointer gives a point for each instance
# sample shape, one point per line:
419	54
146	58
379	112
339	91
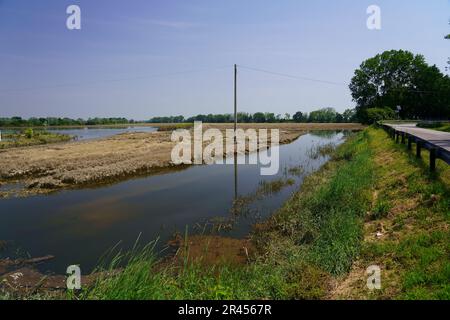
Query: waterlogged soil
47	168
210	250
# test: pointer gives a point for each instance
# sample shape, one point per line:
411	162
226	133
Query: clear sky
145	58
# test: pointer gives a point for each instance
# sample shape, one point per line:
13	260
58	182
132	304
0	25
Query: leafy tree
259	117
287	117
373	115
270	117
349	115
400	78
339	118
244	117
299	117
448	61
323	115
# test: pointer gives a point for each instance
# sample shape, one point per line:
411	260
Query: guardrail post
409	142
397	136
403	137
432	159
418	148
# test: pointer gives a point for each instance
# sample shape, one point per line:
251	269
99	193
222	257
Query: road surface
437	138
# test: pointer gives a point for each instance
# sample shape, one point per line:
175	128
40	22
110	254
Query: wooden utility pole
235	101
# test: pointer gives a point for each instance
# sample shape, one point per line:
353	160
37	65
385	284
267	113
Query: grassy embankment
315	245
445	128
30	137
440	126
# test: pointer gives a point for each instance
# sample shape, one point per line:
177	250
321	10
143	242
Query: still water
78	226
87	133
96	133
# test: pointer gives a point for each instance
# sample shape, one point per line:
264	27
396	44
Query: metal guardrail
436	152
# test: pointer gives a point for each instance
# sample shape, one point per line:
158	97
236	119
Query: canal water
97	133
79	226
86	133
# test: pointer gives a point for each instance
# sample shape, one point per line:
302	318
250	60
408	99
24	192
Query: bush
373	115
29	133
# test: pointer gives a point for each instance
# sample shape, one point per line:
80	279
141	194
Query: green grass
440	126
445	128
415	251
30	137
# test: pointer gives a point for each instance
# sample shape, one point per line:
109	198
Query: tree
339	118
400	78
323	115
448	61
270	117
259	117
373	115
299	117
349	115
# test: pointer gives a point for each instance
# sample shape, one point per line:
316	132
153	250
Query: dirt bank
43	169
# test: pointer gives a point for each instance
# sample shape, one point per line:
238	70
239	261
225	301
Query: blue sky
145	58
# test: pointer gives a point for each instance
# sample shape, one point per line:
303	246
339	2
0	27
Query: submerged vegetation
321	150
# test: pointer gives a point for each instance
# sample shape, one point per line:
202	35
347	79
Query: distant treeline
321	115
41	122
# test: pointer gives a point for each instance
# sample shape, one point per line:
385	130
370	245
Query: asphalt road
437	138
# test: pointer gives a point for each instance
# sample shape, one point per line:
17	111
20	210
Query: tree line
320	115
52	121
327	115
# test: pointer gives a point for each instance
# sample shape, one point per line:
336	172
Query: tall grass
325	219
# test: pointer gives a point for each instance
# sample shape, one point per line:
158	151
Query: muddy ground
47	168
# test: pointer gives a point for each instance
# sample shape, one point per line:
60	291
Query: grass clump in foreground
319	244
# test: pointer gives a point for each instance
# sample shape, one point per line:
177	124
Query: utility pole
235	138
235	101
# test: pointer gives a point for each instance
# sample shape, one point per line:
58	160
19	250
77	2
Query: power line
328	82
293	76
161	75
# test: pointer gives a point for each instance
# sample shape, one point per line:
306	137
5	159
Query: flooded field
78	226
97	133
88	133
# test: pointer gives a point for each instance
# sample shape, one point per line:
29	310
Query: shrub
29	133
373	115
